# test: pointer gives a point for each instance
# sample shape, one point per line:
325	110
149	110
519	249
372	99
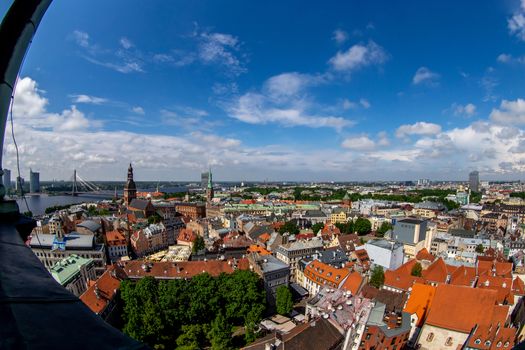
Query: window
430	336
449	341
487	343
498	345
477	341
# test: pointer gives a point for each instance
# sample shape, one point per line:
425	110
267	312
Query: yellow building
338	216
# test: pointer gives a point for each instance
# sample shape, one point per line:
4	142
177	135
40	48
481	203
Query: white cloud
516	23
347	104
383	139
358	143
508	58
81	38
254	108
121	67
138	110
88	99
467	110
358	56
126	43
30	109
220	48
340	36
509	112
419	128
364	102
424	75
289	84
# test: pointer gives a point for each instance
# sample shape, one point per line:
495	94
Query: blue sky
270	90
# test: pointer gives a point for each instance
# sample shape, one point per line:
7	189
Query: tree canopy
417	269
290	227
317	227
362	226
193	314
198	244
378	276
284	300
385	226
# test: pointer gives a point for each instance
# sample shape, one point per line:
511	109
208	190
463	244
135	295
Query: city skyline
349	93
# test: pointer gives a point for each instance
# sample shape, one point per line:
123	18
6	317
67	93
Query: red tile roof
420	301
423	254
183	269
106	287
459	308
402	278
321	273
353	282
463	276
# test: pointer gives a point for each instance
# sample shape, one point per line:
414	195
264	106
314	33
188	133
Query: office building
51	249
19	184
74	273
7	179
204	180
34	182
473	179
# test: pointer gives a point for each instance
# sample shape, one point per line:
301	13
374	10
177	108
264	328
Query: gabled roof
423	254
420	301
518	287
353	282
463	276
459	308
139	204
103	290
437	272
402	278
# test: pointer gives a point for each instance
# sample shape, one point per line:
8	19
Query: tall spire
130	172
210	183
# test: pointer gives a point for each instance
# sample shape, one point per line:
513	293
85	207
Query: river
39	203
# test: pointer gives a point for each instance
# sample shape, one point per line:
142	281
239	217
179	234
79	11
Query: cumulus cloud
88	99
340	36
290	83
255	108
424	75
467	110
359	143
30	108
419	128
358	56
138	110
516	24
509	112
508	58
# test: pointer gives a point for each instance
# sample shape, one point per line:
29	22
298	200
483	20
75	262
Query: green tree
154	219
378	276
284	300
385	226
220	334
289	227
192	337
362	226
317	227
480	249
345	227
417	269
198	244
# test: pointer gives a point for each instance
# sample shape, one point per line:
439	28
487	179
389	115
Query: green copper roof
64	270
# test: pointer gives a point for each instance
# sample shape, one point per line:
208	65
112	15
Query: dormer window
499	344
477	341
449	341
487	343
